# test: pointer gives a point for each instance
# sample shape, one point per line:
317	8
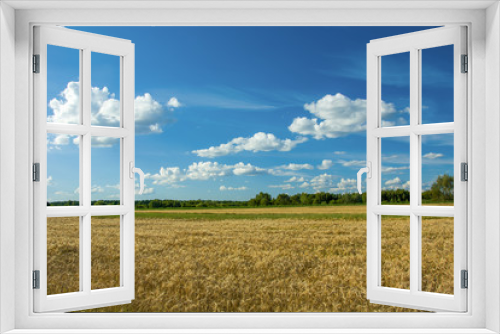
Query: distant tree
442	188
283	199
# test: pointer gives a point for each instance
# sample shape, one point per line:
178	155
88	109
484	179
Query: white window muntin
414	43
86	43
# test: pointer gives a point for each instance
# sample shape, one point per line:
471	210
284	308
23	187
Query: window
79	289
480	223
412	291
109	254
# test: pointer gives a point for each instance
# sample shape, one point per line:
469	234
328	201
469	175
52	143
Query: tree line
440	191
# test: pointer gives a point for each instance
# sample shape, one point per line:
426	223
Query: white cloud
336	116
173	103
304	185
406	185
282	186
202	171
345	185
325	164
339	152
147	191
49	181
395	181
224	188
293	166
322	181
431	155
354	163
97	189
296	179
258	142
393	169
105	109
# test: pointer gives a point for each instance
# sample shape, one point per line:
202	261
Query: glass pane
437	84
437	169
105	252
105	171
395	252
395	170
63	170
395	89
105	95
63	85
63	255
437	254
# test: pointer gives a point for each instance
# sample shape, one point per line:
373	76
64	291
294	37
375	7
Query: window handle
368	171
139	171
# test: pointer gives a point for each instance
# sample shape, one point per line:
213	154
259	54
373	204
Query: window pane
105	171
63	85
63	255
63	170
437	254
105	252
395	89
437	85
437	169
105	95
395	170
395	252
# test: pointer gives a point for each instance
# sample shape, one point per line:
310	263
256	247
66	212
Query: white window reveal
77	133
411	292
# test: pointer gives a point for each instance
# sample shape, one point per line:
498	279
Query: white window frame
414	44
484	50
86	44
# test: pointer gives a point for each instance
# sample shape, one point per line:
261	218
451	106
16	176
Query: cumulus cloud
394	182
202	171
293	166
97	189
337	116
345	185
354	163
150	115
49	181
431	155
173	103
282	186
224	188
325	164
406	185
258	142
296	179
304	185
322	181
393	169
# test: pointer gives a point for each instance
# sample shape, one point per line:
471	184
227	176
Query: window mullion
414	170
85	167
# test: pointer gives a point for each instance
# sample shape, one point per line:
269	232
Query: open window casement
78	132
416	45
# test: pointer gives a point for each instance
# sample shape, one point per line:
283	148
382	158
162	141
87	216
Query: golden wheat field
276	260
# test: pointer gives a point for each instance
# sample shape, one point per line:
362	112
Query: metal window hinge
36	279
465	64
464	171
36	63
464	279
36	172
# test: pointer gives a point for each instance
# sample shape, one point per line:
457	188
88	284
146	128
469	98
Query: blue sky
227	112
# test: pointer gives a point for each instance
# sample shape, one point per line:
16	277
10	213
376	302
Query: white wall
492	164
7	160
